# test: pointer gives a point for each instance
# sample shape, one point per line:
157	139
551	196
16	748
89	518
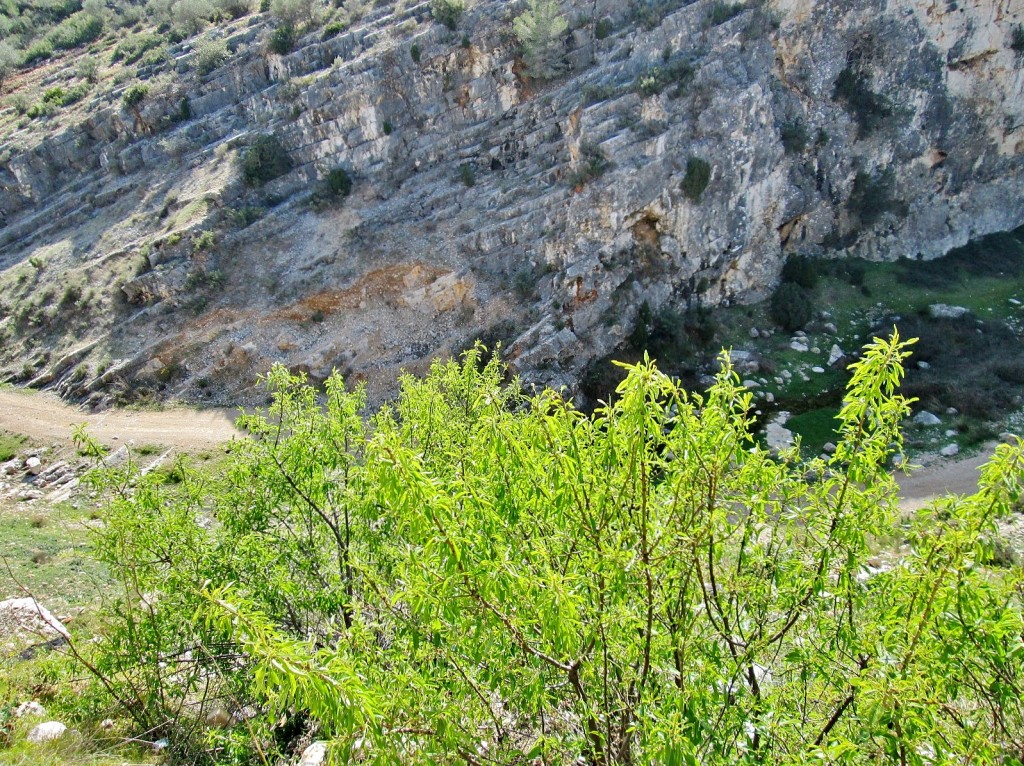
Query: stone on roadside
776	435
117	457
34	465
950	450
218	717
835	354
26	617
925	418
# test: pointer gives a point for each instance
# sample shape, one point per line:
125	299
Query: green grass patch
10	444
192	212
54	680
48	552
815	428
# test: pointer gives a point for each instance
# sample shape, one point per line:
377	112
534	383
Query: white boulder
925	418
47	732
26	615
314	755
31	708
944	311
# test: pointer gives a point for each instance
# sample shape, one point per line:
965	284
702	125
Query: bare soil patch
43	417
940	476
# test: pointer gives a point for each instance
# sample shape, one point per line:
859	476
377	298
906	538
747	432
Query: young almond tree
476	576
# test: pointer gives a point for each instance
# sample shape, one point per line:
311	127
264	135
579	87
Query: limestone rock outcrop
487	205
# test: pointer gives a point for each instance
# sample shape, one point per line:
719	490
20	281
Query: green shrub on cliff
265	160
447	12
539	30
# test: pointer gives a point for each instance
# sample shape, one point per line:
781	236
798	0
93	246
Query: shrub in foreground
474	575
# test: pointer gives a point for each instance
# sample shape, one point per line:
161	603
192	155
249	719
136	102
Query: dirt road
43	417
941	477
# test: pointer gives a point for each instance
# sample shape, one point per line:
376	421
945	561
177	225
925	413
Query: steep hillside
680	153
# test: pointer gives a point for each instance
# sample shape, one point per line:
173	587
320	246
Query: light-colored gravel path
42	416
941	476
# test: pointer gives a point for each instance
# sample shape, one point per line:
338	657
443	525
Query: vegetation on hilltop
477	576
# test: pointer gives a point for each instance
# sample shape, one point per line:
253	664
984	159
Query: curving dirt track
941	477
43	417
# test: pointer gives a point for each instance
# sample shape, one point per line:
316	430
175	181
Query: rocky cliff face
542	214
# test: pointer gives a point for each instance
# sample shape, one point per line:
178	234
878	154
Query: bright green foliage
135	47
477	576
75	31
282	39
539	30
